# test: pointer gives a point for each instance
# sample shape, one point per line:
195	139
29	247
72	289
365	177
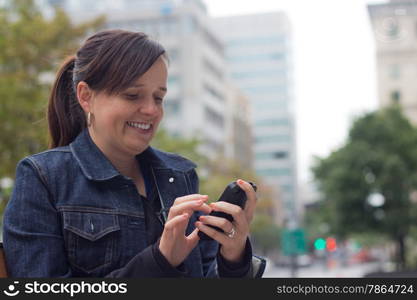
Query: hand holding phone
232	194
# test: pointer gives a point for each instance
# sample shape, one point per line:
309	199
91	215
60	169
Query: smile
143	126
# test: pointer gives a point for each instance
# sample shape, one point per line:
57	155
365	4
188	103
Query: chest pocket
90	239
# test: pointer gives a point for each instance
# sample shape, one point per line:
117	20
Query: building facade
238	127
259	58
395	30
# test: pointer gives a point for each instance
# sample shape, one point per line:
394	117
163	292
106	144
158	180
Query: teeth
144	126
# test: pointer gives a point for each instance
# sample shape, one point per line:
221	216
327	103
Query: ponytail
66	118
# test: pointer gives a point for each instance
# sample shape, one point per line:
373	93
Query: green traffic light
320	244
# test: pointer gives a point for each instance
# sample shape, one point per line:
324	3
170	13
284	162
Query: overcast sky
335	72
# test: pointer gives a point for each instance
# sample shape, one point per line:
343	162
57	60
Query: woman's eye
132	96
159	99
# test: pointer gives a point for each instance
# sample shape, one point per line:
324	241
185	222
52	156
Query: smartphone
234	195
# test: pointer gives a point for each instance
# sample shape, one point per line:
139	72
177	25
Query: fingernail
185	215
240	181
201	218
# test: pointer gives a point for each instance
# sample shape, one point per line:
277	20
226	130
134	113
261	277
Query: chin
139	149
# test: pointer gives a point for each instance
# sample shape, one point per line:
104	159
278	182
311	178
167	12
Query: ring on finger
231	233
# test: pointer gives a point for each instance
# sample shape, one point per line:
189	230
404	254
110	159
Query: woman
102	202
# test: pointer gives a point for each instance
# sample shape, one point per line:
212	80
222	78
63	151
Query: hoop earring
89	119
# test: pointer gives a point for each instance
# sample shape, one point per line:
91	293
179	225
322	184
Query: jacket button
171	180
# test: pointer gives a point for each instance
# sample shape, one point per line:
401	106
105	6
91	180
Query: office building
395	30
259	57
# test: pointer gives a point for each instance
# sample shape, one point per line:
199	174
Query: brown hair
109	61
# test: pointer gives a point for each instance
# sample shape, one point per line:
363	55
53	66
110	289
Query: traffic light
320	244
331	244
328	244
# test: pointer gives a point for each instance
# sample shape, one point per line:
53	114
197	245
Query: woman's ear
84	96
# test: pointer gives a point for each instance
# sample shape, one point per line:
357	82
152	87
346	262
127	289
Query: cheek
113	123
160	116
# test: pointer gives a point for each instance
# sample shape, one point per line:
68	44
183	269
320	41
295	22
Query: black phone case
232	194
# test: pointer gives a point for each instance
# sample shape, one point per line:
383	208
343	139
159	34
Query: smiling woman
103	203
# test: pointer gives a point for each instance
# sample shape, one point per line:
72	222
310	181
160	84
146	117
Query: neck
126	164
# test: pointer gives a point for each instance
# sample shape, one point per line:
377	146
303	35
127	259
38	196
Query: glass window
288	188
213	92
260	40
262	106
173	54
265	89
272	122
213	42
391	27
209	66
173	80
271	155
395	96
274	172
190	24
172	107
394	71
261	73
273	138
273	57
214	117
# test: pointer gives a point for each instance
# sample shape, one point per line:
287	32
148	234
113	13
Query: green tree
265	233
31	46
379	157
179	145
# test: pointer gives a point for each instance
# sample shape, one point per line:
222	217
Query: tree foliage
182	146
31	47
380	156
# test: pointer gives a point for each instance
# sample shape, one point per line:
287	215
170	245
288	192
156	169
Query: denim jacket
73	214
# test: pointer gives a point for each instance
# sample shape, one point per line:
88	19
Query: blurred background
315	101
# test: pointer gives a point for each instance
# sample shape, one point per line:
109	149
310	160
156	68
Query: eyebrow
162	88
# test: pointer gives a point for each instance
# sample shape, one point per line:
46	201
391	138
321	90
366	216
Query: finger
176	224
213	233
237	213
222	223
190	198
188	207
193	238
251	199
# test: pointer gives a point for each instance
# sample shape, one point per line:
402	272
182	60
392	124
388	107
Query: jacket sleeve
32	238
149	263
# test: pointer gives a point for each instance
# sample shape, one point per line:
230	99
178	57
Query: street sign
293	242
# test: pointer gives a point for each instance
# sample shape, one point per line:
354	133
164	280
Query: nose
149	107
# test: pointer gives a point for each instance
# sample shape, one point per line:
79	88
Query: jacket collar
95	165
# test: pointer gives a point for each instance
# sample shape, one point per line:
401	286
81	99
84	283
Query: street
318	270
